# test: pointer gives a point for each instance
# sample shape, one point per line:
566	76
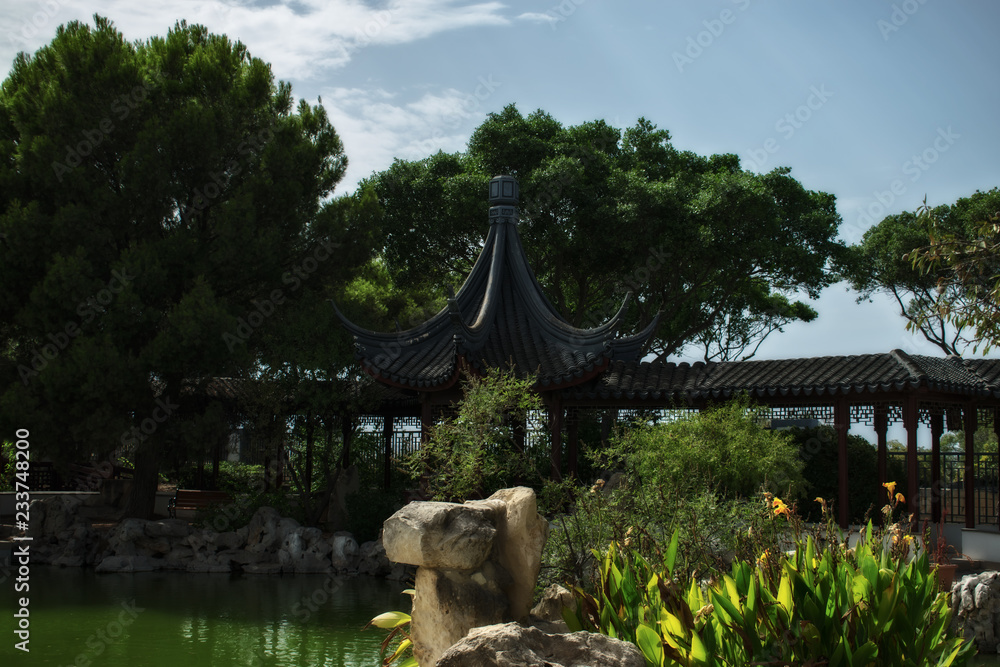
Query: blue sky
880	103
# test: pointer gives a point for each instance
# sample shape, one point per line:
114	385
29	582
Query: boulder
344	552
448	603
547	615
373	560
440	535
521	535
125	564
170	528
262	531
511	645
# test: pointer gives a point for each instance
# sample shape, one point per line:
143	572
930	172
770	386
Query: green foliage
700	476
157	197
398	638
7	465
723	251
724	447
474	452
823	604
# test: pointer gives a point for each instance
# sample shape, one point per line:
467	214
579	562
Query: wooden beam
971	423
842	423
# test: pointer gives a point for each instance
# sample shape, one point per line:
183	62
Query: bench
195	499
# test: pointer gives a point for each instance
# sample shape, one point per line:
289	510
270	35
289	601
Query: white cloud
377	127
300	38
538	17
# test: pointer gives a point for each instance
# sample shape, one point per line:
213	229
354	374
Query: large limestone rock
511	645
476	564
448	603
975	605
440	535
521	535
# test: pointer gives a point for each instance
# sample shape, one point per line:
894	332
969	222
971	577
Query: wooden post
555	429
310	436
937	428
573	440
911	423
387	429
970	426
881	431
842	422
996	431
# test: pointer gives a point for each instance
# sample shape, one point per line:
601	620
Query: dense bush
700	476
474	453
818	450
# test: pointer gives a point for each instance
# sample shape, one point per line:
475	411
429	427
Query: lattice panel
823	413
865	413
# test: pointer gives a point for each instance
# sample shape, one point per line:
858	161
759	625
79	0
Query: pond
156	619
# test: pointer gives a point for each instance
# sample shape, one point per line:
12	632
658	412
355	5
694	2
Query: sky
882	104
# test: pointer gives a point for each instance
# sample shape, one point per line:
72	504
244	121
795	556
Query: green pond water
157	619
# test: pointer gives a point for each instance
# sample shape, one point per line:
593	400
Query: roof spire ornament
504	195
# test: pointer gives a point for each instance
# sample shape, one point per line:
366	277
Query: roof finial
504	194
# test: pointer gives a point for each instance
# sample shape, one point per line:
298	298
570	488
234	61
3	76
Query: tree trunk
141	498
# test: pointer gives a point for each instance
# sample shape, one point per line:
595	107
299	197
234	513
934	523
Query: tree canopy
162	224
964	259
724	252
929	294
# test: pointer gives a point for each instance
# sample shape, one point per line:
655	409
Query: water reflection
166	618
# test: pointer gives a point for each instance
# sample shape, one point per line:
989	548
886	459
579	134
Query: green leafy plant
398	638
474	453
822	603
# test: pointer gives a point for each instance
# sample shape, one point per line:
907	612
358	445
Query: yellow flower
820	500
900	498
780	507
890	488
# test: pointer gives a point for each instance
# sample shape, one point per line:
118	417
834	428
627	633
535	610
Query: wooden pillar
426	419
388	427
346	429
573	440
937	428
215	466
842	423
971	423
881	434
555	428
996	431
911	423
199	475
520	433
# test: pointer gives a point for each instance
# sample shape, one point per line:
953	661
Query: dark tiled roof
499	317
819	376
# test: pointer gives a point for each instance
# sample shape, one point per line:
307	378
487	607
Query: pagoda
500	318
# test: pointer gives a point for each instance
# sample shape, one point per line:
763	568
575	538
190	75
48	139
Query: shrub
724	447
473	453
874	604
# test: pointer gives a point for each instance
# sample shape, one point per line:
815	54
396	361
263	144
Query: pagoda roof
815	378
499	318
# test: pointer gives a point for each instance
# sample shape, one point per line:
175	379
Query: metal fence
952	492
